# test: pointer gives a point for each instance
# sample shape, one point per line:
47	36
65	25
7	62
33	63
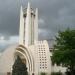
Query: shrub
43	73
56	73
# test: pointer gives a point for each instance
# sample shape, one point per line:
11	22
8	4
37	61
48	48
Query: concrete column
28	22
21	29
36	26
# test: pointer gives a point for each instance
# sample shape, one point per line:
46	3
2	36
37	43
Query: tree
64	50
19	68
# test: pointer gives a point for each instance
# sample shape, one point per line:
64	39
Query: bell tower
28	32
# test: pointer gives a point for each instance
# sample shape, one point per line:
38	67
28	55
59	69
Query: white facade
42	60
29	39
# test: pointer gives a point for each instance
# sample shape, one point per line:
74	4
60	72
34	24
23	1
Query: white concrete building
34	53
28	38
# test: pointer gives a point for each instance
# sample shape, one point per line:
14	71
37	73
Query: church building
35	54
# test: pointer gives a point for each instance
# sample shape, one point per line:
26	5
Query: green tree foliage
64	50
19	68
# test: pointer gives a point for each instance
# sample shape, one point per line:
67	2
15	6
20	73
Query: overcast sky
54	15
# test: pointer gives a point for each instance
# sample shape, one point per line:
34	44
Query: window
45	67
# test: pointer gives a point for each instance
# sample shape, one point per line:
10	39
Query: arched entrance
26	57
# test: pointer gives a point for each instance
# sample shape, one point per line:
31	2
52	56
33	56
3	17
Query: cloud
41	21
54	15
6	42
46	34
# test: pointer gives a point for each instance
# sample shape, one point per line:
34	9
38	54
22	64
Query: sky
54	15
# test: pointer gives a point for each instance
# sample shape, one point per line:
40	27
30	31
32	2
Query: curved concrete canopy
27	55
8	57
